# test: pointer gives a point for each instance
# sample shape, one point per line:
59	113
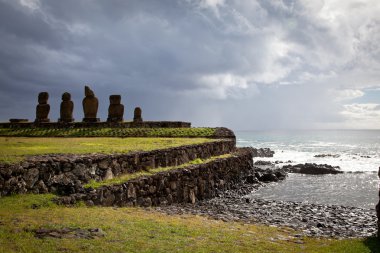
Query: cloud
347	94
362	115
222	86
267	64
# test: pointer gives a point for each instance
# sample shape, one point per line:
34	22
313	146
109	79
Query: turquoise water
356	152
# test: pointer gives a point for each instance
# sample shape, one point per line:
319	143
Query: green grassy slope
139	230
13	149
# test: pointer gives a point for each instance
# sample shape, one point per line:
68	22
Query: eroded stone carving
116	109
43	108
67	107
137	115
90	106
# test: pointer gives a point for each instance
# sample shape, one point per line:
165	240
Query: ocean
356	152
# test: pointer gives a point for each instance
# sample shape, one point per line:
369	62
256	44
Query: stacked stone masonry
65	174
144	124
185	185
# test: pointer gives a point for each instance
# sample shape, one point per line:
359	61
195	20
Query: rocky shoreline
306	219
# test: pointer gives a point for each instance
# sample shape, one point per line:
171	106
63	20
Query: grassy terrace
141	230
108	132
126	177
137	229
15	149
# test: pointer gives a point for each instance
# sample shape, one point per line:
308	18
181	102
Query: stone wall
144	124
185	185
65	174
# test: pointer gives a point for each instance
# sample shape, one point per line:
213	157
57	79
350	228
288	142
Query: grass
16	149
107	132
140	230
124	178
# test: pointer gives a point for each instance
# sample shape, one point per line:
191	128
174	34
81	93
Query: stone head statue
88	92
137	115
115	99
67	107
43	108
90	106
66	96
43	97
116	109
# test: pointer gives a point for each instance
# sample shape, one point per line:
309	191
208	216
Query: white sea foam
357	151
352	151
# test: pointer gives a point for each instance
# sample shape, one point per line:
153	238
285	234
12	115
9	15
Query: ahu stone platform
128	124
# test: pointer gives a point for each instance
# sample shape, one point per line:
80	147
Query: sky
242	64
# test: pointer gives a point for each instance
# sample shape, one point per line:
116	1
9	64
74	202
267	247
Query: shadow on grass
373	243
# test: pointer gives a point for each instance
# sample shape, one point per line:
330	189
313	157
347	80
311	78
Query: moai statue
67	107
116	109
43	108
137	115
90	106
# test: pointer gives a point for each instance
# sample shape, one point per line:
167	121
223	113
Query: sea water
356	152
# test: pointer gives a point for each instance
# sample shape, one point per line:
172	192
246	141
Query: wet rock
251	179
327	155
312	168
311	219
268	177
262	152
263	163
280	174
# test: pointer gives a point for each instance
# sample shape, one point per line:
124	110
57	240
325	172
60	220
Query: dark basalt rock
313	168
262	152
269	175
263	163
71	233
327	155
306	218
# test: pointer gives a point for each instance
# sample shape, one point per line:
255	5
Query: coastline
233	203
308	219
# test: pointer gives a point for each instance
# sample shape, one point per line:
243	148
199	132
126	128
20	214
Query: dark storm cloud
244	64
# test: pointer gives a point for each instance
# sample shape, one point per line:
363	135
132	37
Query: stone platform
128	124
